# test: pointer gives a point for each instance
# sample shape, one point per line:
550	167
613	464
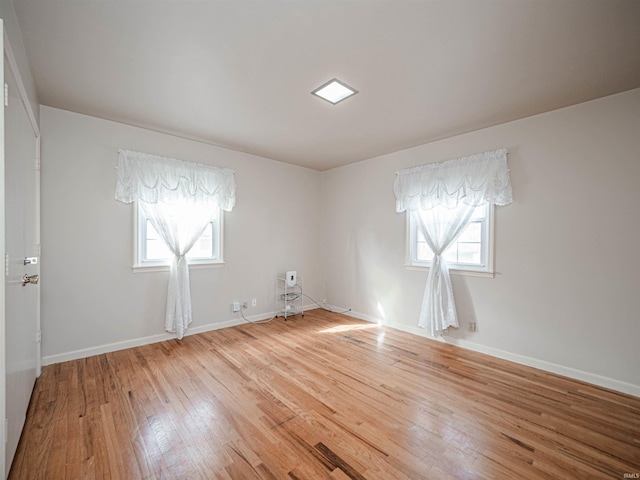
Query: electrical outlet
245	304
254	302
235	307
472	326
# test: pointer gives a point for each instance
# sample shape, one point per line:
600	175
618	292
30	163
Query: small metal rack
288	298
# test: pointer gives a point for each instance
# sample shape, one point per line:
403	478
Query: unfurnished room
320	239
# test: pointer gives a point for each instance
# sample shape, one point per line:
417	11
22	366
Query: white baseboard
137	342
581	375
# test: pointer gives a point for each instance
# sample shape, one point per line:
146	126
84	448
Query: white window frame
139	246
488	243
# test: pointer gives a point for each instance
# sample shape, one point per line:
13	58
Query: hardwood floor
324	396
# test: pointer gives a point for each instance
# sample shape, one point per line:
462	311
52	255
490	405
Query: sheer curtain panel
180	199
441	198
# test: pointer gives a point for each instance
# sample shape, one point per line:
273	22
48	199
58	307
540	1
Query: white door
22	250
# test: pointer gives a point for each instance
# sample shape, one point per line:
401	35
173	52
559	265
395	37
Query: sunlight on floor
348	328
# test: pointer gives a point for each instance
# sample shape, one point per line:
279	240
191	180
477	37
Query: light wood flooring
320	397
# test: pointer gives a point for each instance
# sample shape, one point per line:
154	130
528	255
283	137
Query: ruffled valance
474	180
151	178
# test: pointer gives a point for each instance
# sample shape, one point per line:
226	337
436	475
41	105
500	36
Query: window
151	250
472	251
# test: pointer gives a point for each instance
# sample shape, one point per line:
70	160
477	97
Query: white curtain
180	199
440	227
441	199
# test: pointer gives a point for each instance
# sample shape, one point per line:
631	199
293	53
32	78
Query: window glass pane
469	253
156	249
473	233
203	248
423	252
451	254
479	213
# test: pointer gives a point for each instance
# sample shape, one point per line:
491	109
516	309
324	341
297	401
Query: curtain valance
474	180
153	179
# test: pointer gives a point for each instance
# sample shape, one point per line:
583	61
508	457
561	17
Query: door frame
3	369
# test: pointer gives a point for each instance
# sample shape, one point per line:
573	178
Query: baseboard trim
581	375
138	342
135	342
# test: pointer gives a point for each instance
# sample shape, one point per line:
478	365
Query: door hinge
38	336
37	163
6	264
6	94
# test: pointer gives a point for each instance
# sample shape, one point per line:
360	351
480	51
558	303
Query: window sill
455	271
166	268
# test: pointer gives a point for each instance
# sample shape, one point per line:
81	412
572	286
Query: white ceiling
239	73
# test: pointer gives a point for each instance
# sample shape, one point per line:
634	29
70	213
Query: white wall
91	299
567	293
